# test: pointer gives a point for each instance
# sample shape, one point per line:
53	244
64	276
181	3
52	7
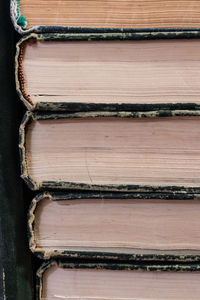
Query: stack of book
111	138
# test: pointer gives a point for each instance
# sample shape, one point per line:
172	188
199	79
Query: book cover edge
22	152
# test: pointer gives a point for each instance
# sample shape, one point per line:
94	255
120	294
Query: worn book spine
81	106
60	185
48	254
145	267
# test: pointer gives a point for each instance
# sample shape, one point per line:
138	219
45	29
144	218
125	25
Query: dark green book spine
15	258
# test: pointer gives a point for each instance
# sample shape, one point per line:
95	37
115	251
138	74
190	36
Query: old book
38	15
82	72
115	226
113	151
57	280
